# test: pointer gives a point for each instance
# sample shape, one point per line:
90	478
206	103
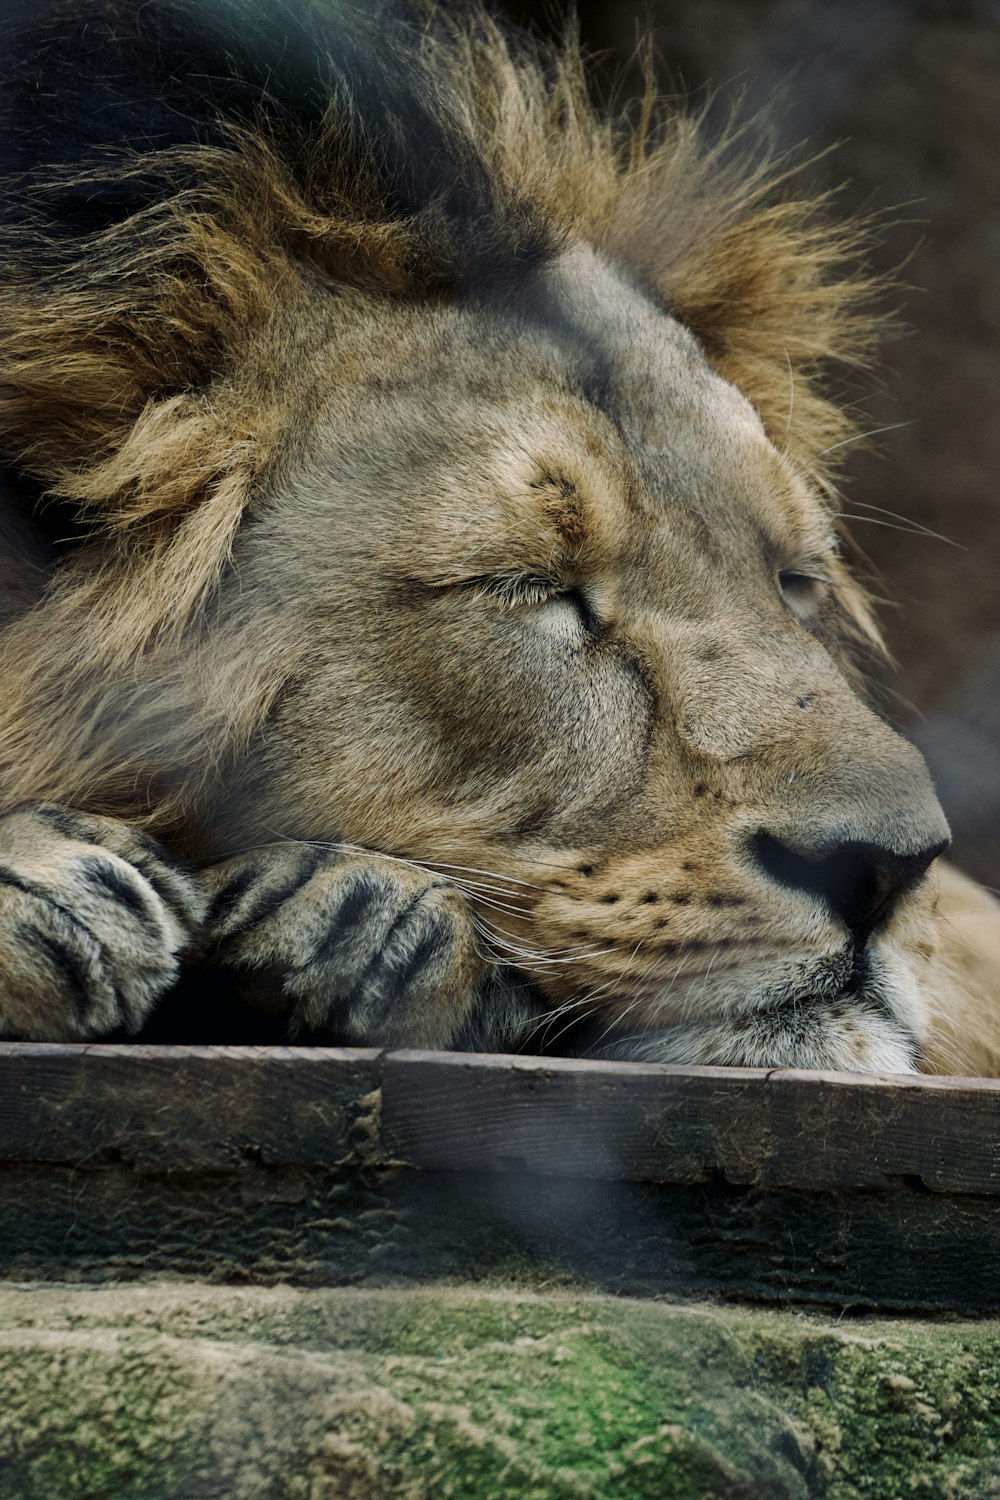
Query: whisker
619	1020
591	996
589	999
440	864
530	959
498	901
489	904
859	437
562	955
542	1025
543	1022
946	1044
906	530
480	885
343	847
909	522
637	1000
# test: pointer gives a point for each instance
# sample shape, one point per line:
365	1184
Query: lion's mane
174	193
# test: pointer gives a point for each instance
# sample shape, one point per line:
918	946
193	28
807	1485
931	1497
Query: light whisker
859	437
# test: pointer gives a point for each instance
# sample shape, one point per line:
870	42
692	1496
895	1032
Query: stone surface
178	1391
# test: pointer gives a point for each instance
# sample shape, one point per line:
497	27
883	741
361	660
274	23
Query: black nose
860	882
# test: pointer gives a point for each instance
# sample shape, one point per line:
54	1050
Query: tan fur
92	924
301	612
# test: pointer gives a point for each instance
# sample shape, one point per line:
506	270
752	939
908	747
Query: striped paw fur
94	918
356	947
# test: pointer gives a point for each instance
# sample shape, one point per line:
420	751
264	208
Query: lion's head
455	464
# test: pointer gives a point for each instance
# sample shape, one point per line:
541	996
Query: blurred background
907	93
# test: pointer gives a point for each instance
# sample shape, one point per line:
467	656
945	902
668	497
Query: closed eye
569	611
541	594
589	618
803	591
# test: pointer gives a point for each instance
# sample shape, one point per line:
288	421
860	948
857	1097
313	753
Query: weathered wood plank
321	1166
665	1124
903	1250
187	1106
218	1107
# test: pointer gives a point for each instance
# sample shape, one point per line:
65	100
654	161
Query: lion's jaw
652	958
586	632
850	1008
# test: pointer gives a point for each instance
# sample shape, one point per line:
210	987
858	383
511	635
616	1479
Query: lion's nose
860	882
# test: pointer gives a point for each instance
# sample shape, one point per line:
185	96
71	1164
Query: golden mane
110	341
142	348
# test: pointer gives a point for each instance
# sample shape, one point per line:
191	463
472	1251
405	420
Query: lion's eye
587	615
568	611
558	608
803	592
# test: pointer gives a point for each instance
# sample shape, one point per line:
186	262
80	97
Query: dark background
908	95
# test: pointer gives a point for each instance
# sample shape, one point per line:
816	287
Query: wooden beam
207	1107
319	1166
656	1123
214	1106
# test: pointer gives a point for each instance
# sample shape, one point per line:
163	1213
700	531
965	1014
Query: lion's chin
832	1013
858	1043
856	1028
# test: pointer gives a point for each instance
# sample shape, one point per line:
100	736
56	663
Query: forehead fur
206	168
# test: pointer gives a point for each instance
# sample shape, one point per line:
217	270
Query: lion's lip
860	976
846	977
857	987
848	974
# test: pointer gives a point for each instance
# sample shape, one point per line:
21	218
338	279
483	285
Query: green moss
84	1420
182	1390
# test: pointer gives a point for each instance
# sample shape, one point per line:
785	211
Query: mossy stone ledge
181	1390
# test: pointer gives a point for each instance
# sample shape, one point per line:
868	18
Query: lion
425	609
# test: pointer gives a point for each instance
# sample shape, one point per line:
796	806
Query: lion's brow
586	361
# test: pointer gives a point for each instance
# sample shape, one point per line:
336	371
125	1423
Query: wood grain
186	1106
213	1106
654	1123
319	1166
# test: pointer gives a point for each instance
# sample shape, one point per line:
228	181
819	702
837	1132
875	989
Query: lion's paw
94	917
365	948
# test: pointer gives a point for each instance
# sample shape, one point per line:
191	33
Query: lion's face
567	624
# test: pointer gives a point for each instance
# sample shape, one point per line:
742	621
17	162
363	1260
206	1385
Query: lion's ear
173	176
